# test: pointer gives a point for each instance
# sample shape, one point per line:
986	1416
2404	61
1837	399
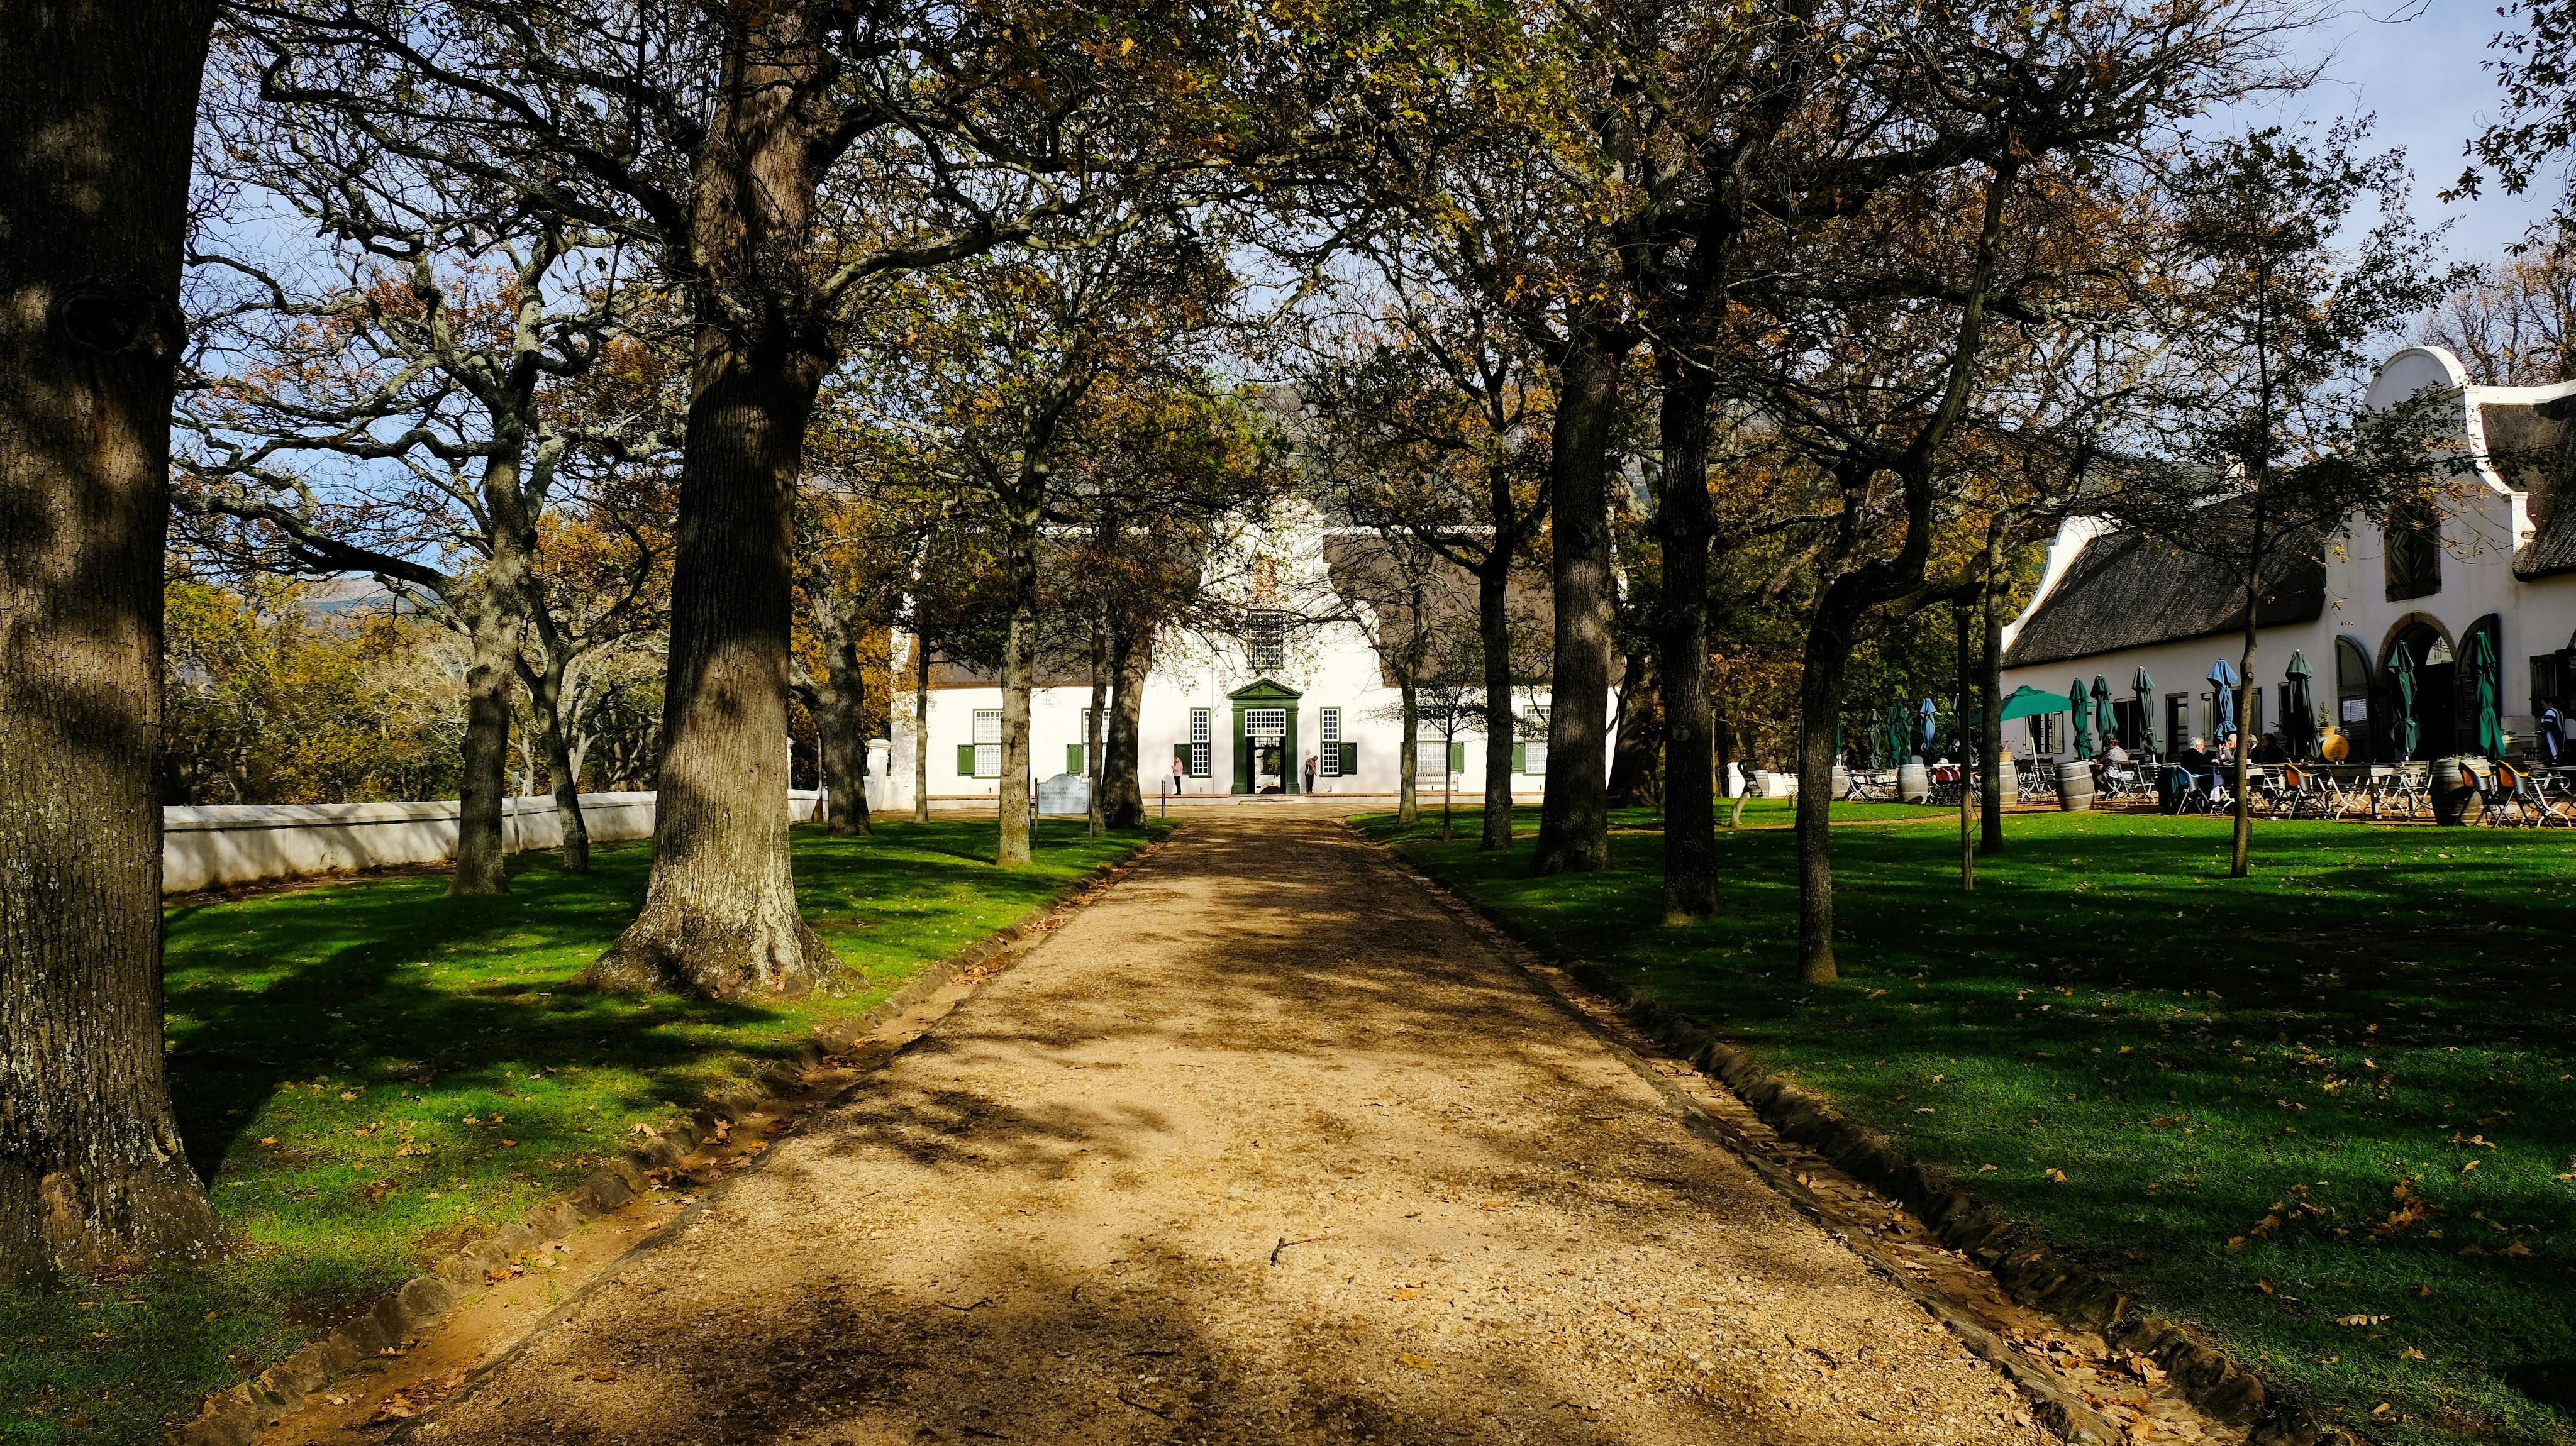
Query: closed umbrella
2145	688
2104	726
2222	677
2401	681
1897	728
2482	667
1930	729
2080	704
2298	715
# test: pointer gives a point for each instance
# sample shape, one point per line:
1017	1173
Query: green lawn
367	1071
2325	1113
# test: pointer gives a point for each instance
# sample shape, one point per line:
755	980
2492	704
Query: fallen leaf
2057	1175
348	1095
2410	1354
1417	1362
2360	1320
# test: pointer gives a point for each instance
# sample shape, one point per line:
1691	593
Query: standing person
1310	773
2553	734
1177	773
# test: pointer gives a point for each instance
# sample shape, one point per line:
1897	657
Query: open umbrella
2080	704
2145	688
2482	666
2298	715
2401	681
2222	677
2104	725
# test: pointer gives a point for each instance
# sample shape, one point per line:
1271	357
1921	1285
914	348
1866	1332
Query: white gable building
1232	718
2502	563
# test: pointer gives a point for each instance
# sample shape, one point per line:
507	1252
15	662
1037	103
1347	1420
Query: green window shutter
1074	762
1457	757
1520	758
1181	756
1350	759
965	760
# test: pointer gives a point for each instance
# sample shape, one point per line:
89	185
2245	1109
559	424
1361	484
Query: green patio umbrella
2080	704
2145	689
2401	681
2482	667
2105	725
2298	714
2029	702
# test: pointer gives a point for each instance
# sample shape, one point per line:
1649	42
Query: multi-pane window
1265	722
2043	735
1328	739
1534	756
1430	760
2414	534
1269	646
988	743
1200	759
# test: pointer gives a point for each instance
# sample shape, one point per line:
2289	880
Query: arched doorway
2436	709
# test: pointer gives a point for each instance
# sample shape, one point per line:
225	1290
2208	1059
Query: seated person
2268	749
2194	760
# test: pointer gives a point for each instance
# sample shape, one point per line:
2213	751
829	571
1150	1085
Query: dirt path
1262	1147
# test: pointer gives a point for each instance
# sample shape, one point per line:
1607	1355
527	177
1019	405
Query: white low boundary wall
246	843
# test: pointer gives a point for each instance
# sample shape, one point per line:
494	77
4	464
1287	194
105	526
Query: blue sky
2417	65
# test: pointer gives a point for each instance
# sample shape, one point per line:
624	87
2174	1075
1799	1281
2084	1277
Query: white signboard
2356	710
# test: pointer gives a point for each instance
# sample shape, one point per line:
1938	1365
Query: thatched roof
2127	590
2533	446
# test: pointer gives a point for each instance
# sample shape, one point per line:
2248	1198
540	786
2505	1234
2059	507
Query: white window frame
1267	648
988	751
1328	742
1534	757
1431	758
1202	751
1265	723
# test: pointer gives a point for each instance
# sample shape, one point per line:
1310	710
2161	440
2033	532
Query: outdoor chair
2120	783
2186	790
2301	794
2549	798
2038	780
1947	781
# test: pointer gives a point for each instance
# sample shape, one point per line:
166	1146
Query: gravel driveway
1262	1147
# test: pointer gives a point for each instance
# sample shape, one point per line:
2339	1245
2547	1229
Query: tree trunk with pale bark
920	729
840	719
482	863
97	105
545	685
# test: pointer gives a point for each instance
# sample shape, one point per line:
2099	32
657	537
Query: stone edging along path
2105	1366
236	1415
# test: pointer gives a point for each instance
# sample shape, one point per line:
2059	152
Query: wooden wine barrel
2455	793
2075	785
2008	784
1842	781
1913	783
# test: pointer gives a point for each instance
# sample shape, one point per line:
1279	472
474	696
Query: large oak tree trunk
97	103
720	916
1131	657
484	784
1685	524
1494	635
1574	818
